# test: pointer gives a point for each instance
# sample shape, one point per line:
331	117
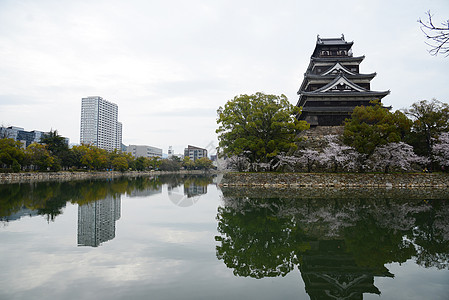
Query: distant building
144	151
170	151
333	85
25	137
99	124
194	153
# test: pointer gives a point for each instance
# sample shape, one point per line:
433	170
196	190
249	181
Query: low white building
144	151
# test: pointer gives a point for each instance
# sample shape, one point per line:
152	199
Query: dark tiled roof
345	94
337	59
328	109
332	76
333	41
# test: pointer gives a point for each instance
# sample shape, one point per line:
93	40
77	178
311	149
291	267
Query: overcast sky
169	64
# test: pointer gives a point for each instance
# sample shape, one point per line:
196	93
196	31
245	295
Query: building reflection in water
187	194
193	190
96	221
145	193
21	213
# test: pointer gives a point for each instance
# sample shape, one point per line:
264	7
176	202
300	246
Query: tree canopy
258	126
10	152
373	126
58	147
430	119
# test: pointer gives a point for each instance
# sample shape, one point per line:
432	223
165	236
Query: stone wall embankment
337	180
65	176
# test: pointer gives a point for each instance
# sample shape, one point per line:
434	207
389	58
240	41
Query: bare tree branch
438	37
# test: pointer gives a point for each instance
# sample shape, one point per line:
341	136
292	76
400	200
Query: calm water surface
184	238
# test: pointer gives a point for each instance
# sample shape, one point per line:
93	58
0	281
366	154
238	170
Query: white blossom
308	158
286	161
441	150
336	155
395	155
239	163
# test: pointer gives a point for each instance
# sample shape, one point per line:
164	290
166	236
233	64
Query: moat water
172	237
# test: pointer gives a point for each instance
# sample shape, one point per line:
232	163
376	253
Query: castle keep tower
333	85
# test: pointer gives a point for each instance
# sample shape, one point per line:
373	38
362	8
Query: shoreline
336	180
7	178
260	180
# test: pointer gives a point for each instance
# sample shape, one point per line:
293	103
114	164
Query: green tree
113	155
258	126
91	157
39	157
187	163
10	153
141	163
373	126
82	156
154	163
120	163
430	118
58	147
203	163
100	158
170	164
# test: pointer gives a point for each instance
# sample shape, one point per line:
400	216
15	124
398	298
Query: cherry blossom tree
440	149
237	162
307	158
395	155
338	156
286	162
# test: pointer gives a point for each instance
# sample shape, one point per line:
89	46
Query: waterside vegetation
53	154
261	133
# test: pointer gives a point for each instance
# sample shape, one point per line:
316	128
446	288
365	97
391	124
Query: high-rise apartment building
99	125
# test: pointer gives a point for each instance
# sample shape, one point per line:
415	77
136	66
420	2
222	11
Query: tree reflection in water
49	198
339	243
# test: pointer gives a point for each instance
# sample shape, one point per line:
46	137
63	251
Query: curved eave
337	59
341	79
332	76
345	94
328	109
303	84
339	68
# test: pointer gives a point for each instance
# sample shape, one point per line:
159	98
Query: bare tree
437	37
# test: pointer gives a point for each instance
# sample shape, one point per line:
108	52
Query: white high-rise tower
99	123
